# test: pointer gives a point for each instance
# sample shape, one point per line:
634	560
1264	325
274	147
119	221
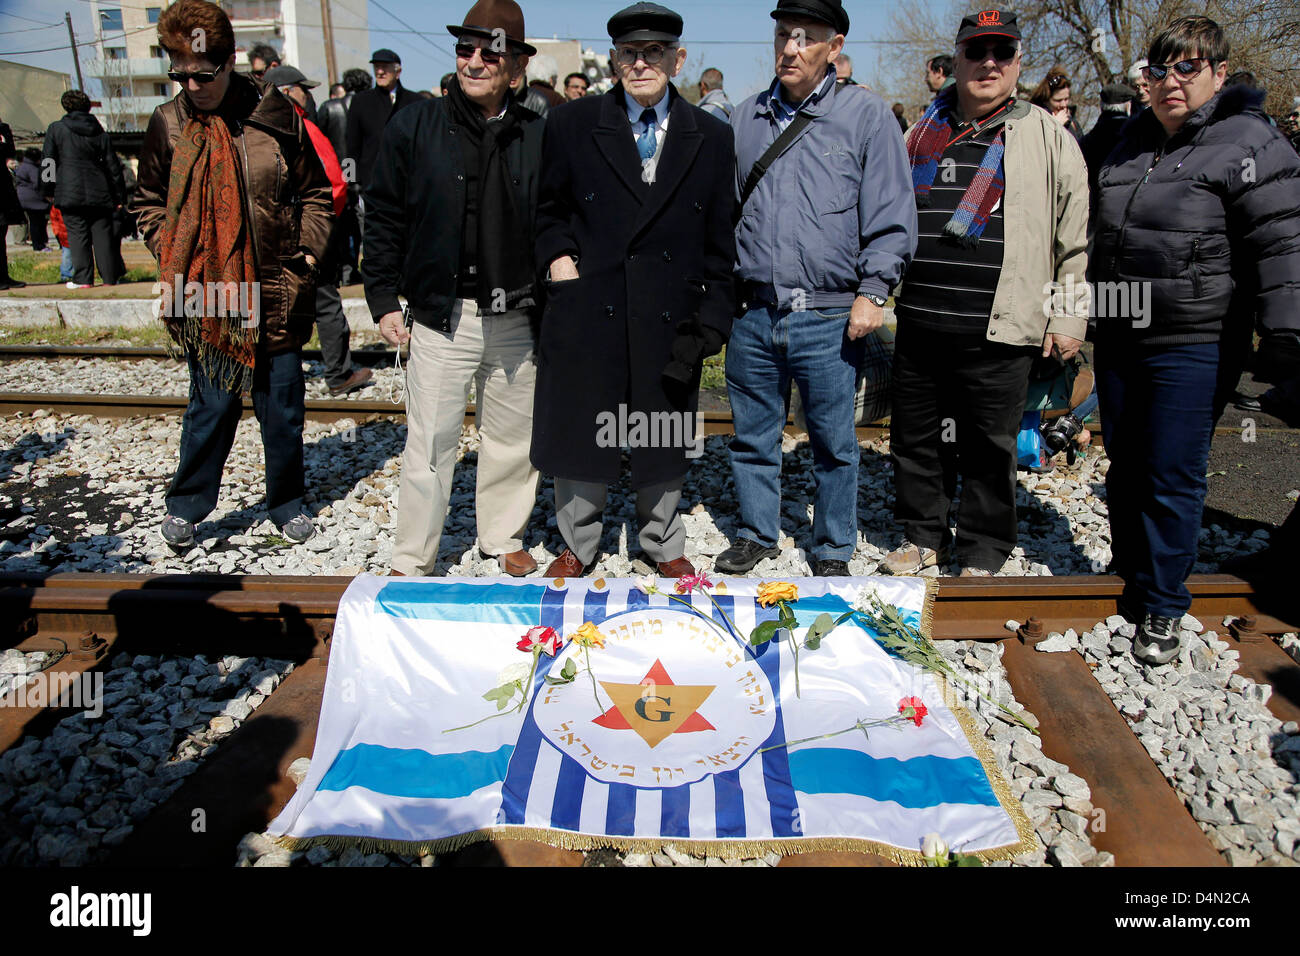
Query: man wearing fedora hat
634	225
823	238
449	226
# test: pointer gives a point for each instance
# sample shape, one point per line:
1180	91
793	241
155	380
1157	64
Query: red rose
545	638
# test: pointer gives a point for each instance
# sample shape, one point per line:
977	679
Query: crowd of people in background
568	248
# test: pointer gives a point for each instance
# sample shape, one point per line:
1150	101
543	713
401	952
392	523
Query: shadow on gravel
47	443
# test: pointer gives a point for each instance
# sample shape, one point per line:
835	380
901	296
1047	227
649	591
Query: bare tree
1096	41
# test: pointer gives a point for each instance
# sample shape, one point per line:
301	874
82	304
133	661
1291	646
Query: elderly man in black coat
634	222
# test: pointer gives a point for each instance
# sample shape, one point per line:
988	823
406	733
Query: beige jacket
1042	287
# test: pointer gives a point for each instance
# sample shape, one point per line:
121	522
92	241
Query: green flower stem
860	725
477	722
696	611
523	696
586	653
730	623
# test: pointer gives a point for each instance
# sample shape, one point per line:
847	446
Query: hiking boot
909	558
298	528
178	532
1156	641
742	556
830	568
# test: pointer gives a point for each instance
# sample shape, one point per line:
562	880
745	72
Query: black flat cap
1112	94
644	21
385	56
988	23
829	12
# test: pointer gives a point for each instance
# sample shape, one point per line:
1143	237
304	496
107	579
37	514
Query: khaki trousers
494	352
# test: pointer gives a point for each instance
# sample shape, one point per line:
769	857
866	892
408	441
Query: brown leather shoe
394	573
567	565
360	378
675	568
517	563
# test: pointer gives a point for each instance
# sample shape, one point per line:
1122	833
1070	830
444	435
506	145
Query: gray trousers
580	507
334	334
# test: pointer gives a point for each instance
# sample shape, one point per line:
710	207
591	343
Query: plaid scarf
926	146
207	238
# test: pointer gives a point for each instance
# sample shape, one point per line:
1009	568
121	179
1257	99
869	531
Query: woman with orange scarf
235	206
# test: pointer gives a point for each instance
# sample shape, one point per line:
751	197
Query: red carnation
912	709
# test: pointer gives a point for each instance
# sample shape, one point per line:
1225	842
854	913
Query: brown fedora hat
491	18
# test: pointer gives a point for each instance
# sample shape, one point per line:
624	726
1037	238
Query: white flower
933	848
646	584
866	596
515	672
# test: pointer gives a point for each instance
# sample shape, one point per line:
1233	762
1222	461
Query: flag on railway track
588	713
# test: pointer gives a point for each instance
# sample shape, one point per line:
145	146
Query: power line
419	33
49	26
18	16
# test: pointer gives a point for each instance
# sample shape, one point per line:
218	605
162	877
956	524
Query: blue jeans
208	432
65	265
768	349
1158	410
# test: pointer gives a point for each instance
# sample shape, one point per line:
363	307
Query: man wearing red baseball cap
1002	215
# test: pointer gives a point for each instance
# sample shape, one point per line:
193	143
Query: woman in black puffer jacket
1197	241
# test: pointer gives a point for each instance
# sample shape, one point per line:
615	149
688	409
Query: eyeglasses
1185	69
628	55
977	52
202	76
465	51
1057	80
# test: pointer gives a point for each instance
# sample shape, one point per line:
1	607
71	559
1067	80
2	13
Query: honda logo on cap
990	18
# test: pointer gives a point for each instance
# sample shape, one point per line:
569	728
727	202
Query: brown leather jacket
286	190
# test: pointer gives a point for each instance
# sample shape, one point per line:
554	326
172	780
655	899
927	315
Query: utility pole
72	41
327	27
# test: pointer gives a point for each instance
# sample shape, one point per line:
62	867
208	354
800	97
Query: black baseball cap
988	23
384	55
288	76
829	12
644	21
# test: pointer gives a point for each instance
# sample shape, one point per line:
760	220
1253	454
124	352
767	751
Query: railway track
245	783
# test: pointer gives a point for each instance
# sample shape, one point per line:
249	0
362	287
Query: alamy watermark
85	692
633	428
188	300
1104	300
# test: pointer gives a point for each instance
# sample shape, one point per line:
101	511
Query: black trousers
208	432
957	404
36	227
90	231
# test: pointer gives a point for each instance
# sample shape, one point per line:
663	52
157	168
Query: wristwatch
878	300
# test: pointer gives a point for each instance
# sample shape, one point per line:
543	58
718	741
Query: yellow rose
588	635
772	591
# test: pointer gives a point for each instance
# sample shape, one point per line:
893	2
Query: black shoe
830	568
7	283
742	556
1156	641
1060	433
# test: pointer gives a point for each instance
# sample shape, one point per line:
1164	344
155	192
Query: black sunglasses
466	50
1184	68
976	52
202	76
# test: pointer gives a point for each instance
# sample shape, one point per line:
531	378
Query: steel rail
245	783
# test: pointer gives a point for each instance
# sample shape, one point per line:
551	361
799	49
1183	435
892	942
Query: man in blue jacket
822	239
